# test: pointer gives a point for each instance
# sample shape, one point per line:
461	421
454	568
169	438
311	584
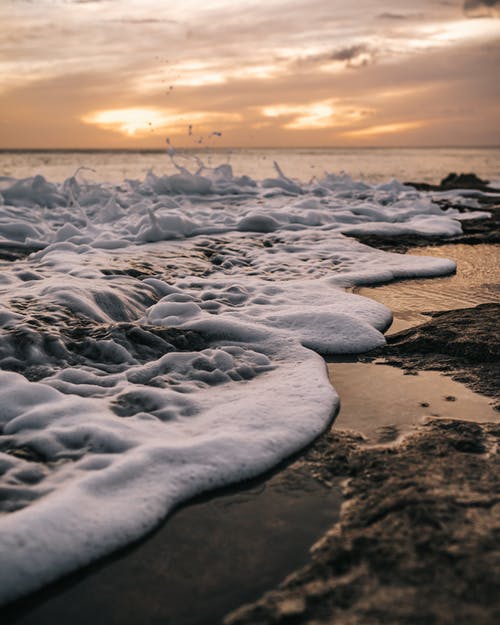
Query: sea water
159	336
368	164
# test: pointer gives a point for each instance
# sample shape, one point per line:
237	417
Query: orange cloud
385	129
323	114
139	121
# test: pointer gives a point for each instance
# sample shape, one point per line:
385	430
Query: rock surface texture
418	540
418	537
462	342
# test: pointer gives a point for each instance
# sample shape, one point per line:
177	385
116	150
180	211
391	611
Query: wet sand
477	281
417	539
384	402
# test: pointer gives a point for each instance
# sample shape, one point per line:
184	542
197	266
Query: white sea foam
160	341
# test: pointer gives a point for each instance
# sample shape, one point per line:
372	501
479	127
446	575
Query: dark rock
465	343
143	342
463	181
455	181
475	231
79	344
11	252
418	538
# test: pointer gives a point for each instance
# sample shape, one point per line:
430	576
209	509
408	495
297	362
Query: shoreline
318	466
305	457
193	554
317	474
416	540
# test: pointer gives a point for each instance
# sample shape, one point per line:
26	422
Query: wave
160	338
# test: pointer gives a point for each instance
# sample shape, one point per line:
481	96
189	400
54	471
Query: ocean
368	164
163	320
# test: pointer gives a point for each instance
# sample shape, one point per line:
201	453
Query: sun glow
141	121
384	129
130	121
325	114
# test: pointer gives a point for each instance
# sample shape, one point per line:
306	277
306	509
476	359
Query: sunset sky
130	73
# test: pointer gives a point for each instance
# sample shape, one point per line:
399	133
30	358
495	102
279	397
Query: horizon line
220	149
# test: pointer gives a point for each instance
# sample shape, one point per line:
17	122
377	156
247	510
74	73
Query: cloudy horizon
130	74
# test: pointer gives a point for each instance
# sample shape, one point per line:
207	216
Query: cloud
139	20
348	54
315	115
384	129
482	8
356	55
286	69
472	4
391	16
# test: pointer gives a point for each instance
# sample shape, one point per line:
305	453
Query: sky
249	73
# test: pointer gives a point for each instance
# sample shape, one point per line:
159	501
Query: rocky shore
463	343
475	231
418	539
418	536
